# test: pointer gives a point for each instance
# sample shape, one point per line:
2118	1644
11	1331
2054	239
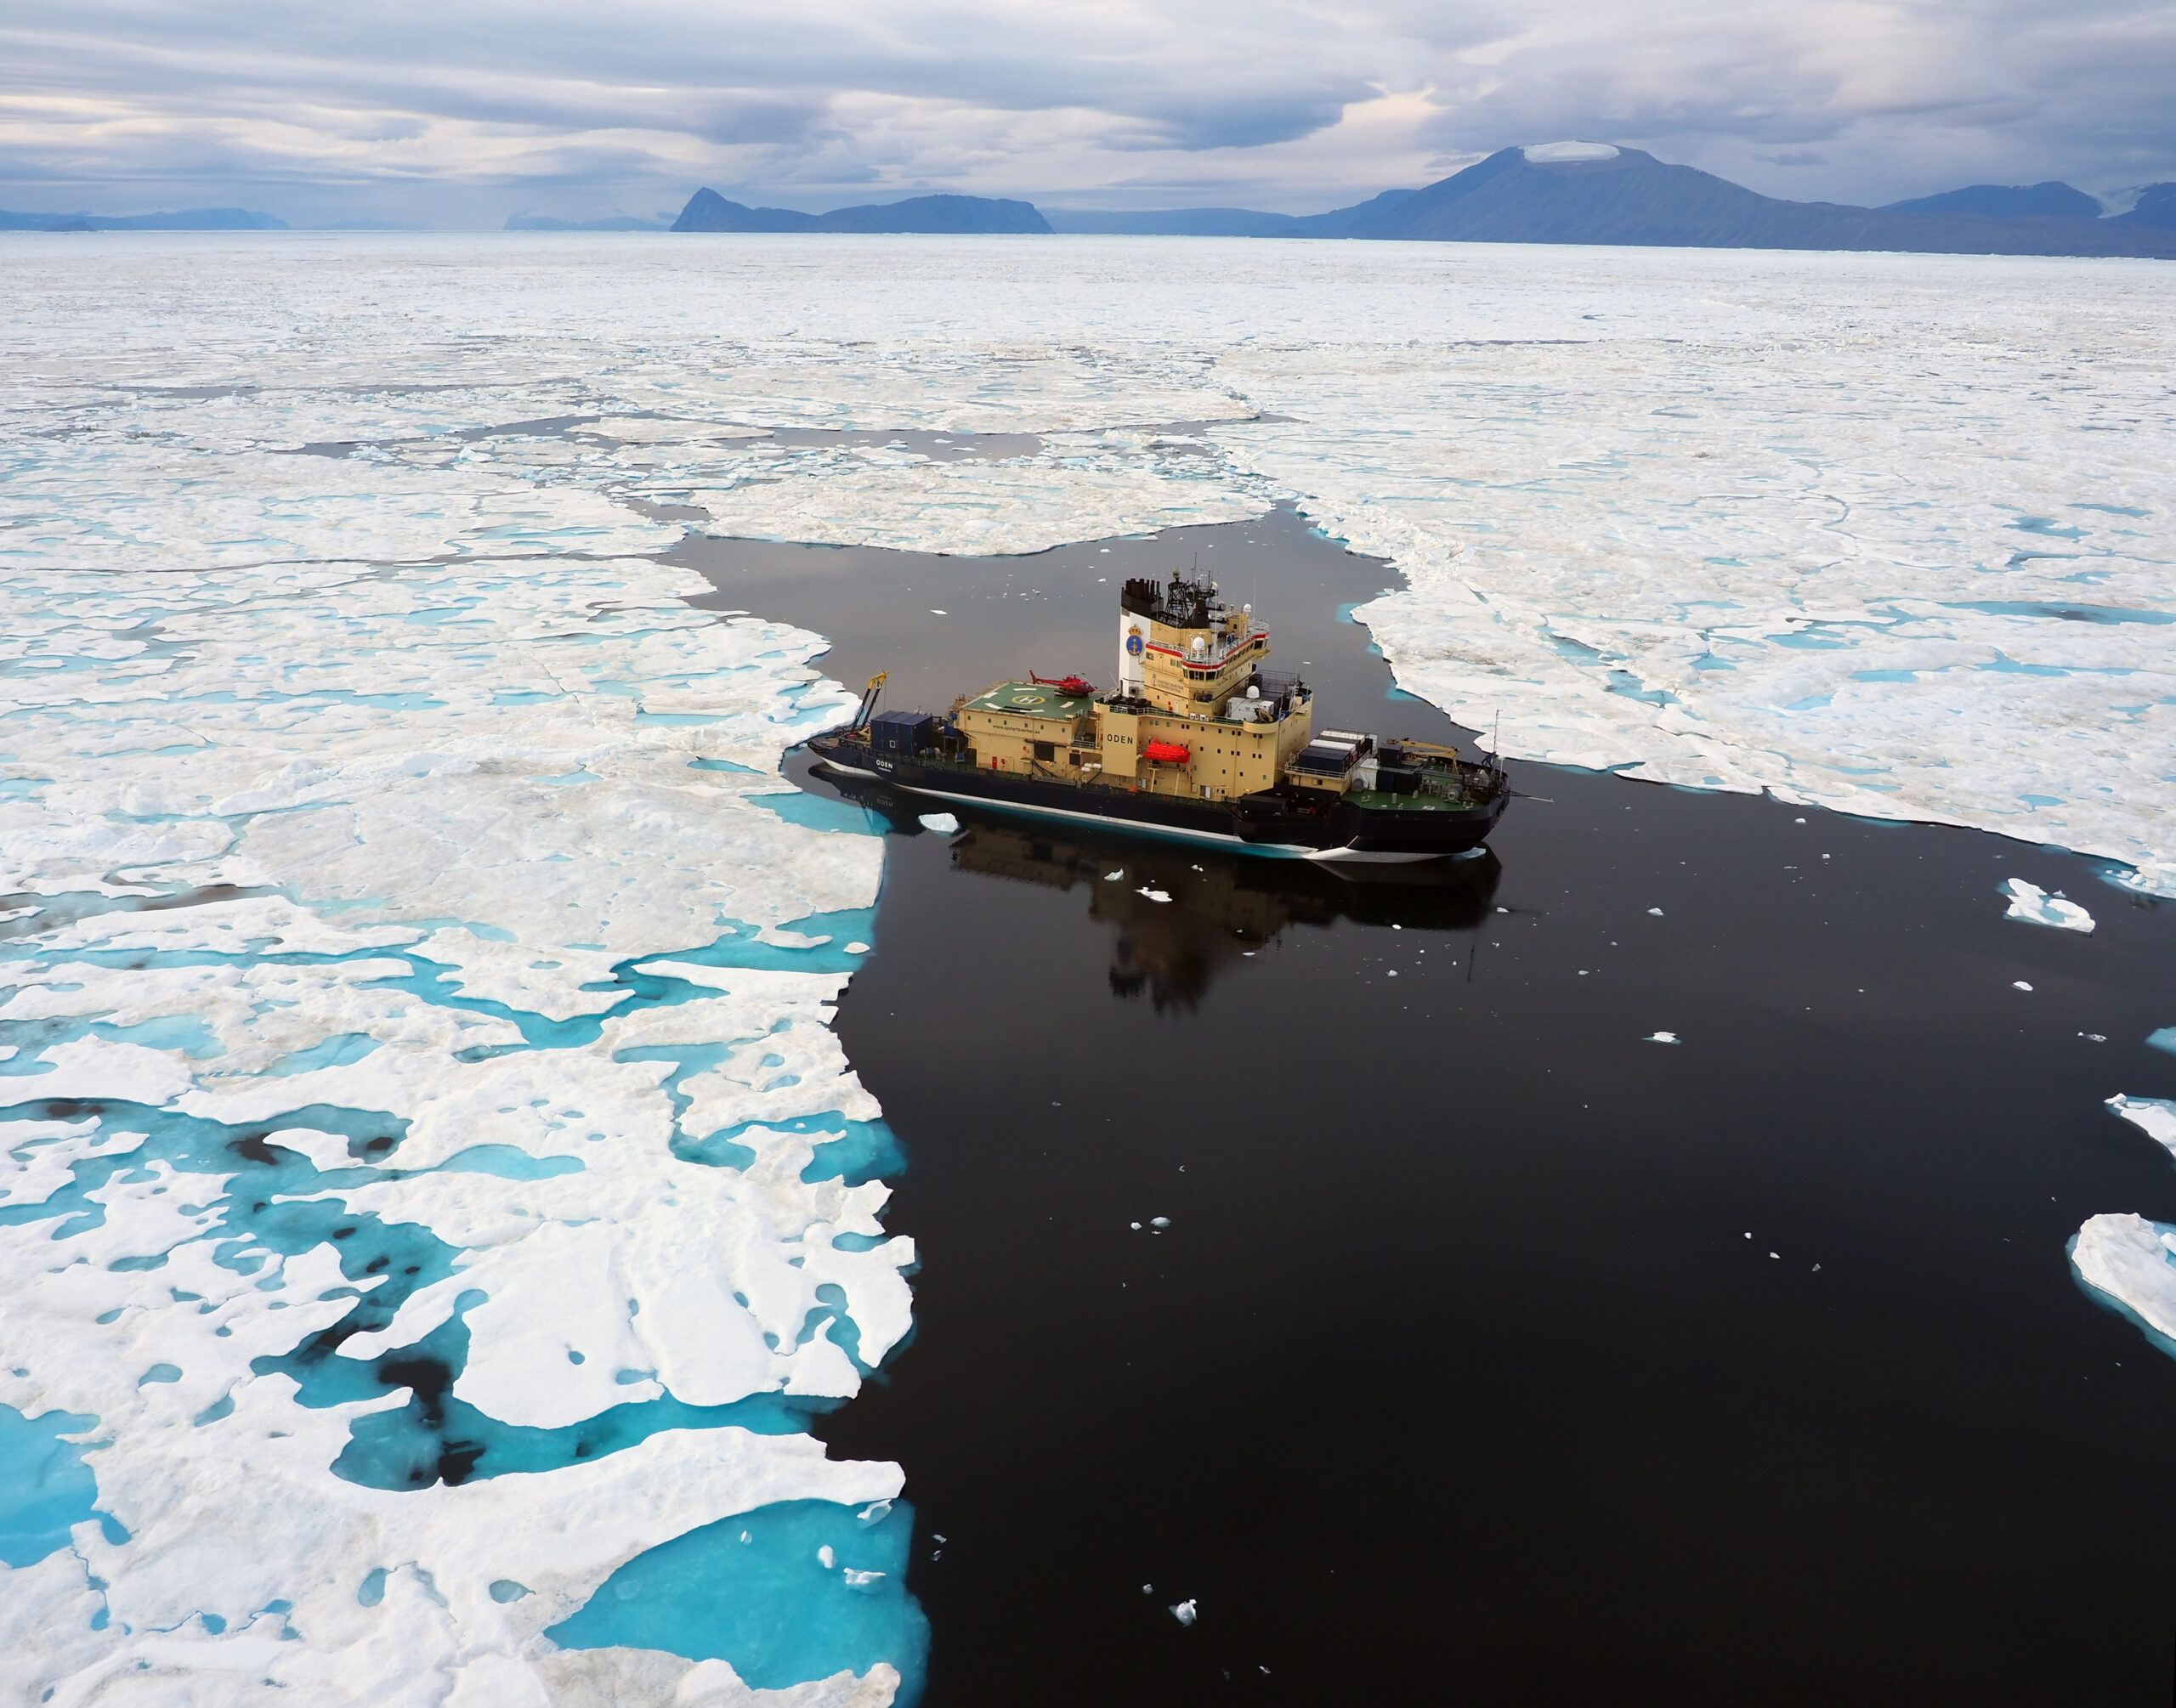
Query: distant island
1562	192
975	215
1597	193
189	219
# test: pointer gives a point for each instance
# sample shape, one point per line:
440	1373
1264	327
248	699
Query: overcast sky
458	113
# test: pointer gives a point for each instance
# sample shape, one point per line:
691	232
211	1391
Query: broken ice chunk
2155	1117
2163	1039
1159	1221
829	1558
1656	912
1660	1038
2127	1258
856	949
860	1580
1154	895
1184	1613
2036	907
2020	985
944	823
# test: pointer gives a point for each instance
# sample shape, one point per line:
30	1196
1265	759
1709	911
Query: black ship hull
1278	825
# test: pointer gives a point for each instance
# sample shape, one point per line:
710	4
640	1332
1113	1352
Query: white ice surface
2155	1116
2036	907
2133	1262
404	774
1891	533
294	608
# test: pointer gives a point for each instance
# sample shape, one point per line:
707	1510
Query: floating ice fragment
944	823
1776	1255
2155	1117
1149	1589
857	1579
825	1555
1798	821
2128	1258
1665	1037
1159	1221
2036	907
1184	1613
2094	1036
1656	912
1117	877
2020	985
934	611
1154	895
856	949
2163	1039
1135	1226
1392	973
876	1511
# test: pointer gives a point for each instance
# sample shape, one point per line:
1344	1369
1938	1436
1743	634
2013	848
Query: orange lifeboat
1165	753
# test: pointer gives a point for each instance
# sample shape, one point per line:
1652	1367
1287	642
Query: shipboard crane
869	700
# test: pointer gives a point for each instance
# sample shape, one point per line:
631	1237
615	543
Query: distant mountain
2049	200
190	219
2156	207
1600	194
708	211
1222	222
621	222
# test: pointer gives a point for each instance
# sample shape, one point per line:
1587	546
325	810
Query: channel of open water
1491	1350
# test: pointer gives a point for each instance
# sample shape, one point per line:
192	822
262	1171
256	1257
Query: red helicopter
1064	685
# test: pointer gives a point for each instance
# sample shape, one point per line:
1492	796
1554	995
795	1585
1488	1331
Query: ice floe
2132	1262
944	823
388	986
2036	907
2155	1116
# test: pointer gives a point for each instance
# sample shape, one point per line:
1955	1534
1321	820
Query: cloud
444	111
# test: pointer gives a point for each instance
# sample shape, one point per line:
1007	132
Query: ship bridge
1182	648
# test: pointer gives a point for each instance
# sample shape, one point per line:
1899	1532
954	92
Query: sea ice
944	823
2155	1116
375	780
376	851
2132	1262
2035	906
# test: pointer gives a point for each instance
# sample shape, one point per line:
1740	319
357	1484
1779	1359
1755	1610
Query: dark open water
1456	1375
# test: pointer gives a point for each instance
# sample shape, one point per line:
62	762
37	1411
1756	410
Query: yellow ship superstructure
1192	715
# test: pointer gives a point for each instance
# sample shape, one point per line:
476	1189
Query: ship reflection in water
1180	916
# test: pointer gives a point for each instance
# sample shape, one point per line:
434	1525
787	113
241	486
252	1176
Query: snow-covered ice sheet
359	875
1891	533
330	1052
2036	907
